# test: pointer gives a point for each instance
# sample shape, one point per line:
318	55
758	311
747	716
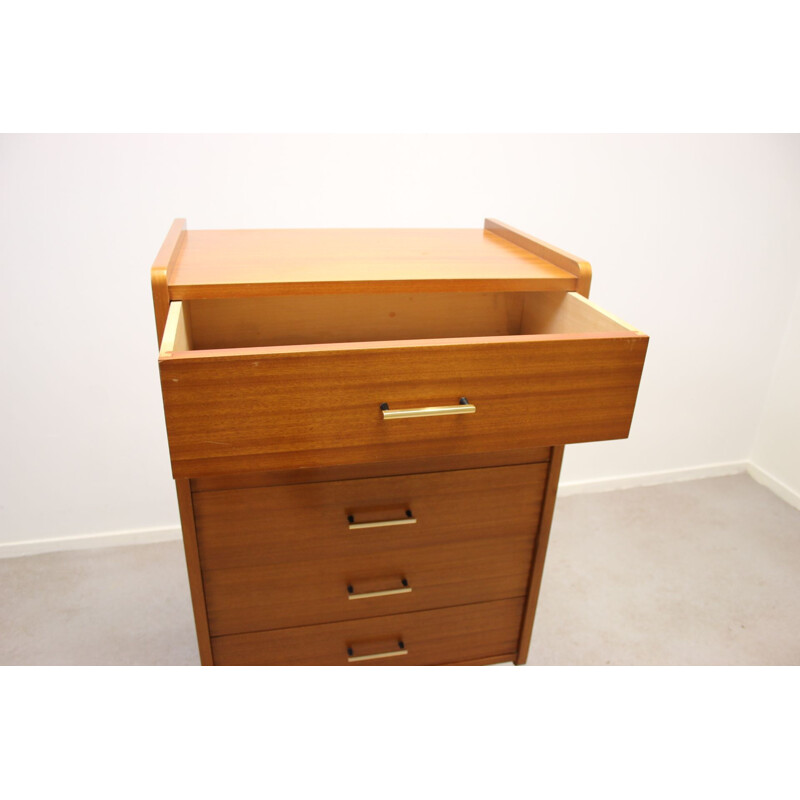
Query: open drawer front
286	382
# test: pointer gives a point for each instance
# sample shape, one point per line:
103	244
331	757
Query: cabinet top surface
230	263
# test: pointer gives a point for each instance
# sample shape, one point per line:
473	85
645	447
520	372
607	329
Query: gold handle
372	656
409	519
463	407
351	595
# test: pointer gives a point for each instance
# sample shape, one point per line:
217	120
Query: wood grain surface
289	410
480	662
161	272
476	632
552	254
310	522
193	567
539	554
355	471
312	319
308	592
253	263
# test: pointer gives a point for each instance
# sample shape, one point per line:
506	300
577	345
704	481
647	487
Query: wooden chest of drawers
366	430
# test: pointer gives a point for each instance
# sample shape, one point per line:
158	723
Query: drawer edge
481	662
254	480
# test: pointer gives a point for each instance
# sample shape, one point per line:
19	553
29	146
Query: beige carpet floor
701	572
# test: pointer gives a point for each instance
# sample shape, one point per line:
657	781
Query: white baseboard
113	539
773	484
567	488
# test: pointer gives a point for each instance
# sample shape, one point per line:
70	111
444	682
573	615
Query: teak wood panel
248	263
193	568
321	407
478	632
161	272
325	319
554	255
539	553
314	319
280	524
551	312
288	594
480	662
350	472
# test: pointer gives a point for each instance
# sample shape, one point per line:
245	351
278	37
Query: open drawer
284	382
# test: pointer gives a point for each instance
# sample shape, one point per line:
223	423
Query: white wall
691	239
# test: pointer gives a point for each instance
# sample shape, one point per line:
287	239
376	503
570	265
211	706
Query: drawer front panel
444	636
309	592
322	407
274	525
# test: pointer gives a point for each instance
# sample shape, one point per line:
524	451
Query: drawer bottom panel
444	636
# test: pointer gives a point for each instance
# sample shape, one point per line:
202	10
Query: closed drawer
289	555
274	525
308	592
443	636
266	384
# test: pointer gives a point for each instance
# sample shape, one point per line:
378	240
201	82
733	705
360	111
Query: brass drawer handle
351	595
372	656
409	519
463	407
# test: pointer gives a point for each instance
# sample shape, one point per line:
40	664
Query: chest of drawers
366	430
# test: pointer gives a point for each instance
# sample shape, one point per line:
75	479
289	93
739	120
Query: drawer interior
281	321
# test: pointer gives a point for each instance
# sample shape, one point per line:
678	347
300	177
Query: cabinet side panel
540	550
161	271
193	567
